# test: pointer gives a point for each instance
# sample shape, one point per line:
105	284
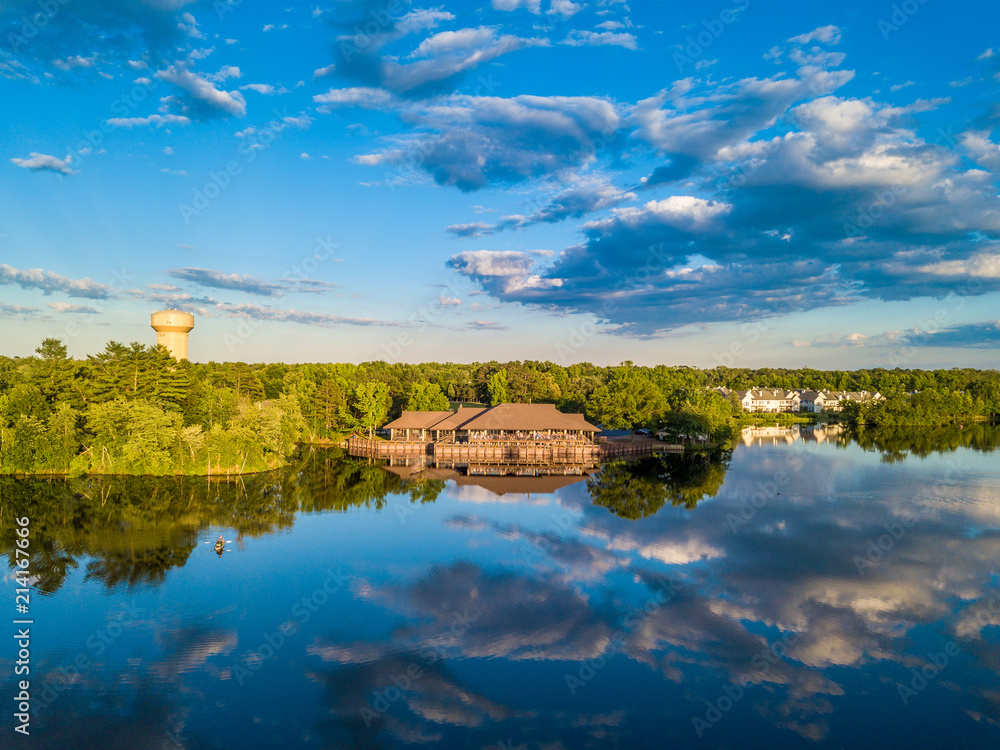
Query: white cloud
187	24
978	145
66	307
45	163
505	271
204	97
694	128
683	212
476	229
578	38
471	142
259	312
535	6
225	72
982	265
564	8
264	88
451	53
360	96
824	34
449	42
670	552
18	310
75	62
422	19
157	120
48	282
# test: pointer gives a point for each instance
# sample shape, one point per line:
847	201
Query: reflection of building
769	435
777	435
525	480
172	328
821	433
776	400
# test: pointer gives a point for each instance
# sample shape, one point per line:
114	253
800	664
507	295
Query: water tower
172	328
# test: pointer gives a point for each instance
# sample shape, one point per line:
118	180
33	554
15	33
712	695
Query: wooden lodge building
500	423
505	435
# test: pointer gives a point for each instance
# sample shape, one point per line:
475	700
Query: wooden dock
514	453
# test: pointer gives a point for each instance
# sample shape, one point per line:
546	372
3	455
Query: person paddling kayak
220	545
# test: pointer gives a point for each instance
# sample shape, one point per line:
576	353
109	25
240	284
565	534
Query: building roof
527	417
417	420
811	395
772	394
455	420
855	395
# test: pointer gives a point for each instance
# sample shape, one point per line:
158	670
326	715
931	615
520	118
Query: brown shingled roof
455	420
527	417
417	420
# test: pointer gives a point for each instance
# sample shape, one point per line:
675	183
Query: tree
24	399
629	399
52	349
499	388
21	446
371	402
131	437
426	397
637	489
327	401
627	491
62	440
57	375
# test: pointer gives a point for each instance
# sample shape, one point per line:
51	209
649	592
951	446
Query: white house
777	400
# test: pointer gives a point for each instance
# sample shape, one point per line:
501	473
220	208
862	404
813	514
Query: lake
805	589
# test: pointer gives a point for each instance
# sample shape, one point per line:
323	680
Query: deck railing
513	452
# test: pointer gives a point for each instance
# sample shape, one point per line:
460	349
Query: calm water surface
806	591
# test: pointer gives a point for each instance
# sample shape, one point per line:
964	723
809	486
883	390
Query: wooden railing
513	452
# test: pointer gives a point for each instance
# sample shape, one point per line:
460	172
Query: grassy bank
786	418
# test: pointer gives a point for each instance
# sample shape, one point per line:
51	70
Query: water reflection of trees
132	531
897	443
637	489
333	480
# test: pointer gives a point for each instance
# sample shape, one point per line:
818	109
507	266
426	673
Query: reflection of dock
512	452
779	435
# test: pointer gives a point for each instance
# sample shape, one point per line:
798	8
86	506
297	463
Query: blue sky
745	183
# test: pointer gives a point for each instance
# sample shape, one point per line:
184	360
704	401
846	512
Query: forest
133	410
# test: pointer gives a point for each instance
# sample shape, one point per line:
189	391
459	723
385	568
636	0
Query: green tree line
132	409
